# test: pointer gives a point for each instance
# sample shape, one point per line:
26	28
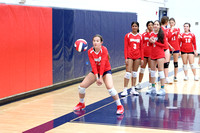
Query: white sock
81	100
118	102
125	88
133	87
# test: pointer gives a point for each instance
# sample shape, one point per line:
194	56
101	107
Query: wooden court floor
177	111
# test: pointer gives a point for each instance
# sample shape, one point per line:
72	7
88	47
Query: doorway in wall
162	12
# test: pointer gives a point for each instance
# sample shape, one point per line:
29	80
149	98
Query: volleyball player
173	37
188	50
133	53
164	23
157	42
147	54
101	72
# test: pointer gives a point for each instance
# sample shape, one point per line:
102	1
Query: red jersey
157	48
133	46
99	60
173	38
188	42
165	30
147	48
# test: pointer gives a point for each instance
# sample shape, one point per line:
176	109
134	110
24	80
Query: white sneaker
134	92
161	92
151	90
175	79
186	78
124	93
196	78
168	81
138	86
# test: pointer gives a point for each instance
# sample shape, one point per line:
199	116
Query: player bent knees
112	91
161	74
176	64
127	75
153	73
81	90
166	64
142	70
134	74
192	66
185	67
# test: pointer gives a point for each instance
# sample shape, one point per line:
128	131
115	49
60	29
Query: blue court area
171	112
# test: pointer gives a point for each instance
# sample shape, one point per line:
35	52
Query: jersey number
187	40
134	46
174	38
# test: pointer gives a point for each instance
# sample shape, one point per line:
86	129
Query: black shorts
171	52
133	59
187	53
106	72
147	57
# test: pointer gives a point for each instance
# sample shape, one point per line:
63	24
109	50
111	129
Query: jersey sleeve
126	46
194	42
104	59
142	48
92	62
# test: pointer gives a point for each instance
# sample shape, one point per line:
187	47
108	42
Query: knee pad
175	64
81	90
112	91
166	65
185	67
192	66
127	75
142	70
153	73
161	74
149	70
134	74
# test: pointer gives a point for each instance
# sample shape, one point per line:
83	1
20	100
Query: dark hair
160	33
164	20
134	22
172	19
149	23
188	24
97	35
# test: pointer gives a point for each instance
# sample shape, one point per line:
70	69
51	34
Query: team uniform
165	30
147	48
133	46
157	48
188	43
100	65
173	39
99	61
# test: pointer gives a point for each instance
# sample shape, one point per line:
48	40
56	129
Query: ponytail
160	36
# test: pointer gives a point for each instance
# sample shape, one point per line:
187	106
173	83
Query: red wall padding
25	48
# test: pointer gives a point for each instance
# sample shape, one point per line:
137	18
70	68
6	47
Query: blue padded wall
70	25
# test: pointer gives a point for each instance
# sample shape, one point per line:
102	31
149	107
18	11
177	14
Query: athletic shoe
168	81
175	79
79	106
134	92
80	112
196	78
124	93
120	110
186	78
161	92
151	90
138	86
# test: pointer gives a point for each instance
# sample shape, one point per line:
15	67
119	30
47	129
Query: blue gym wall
70	25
